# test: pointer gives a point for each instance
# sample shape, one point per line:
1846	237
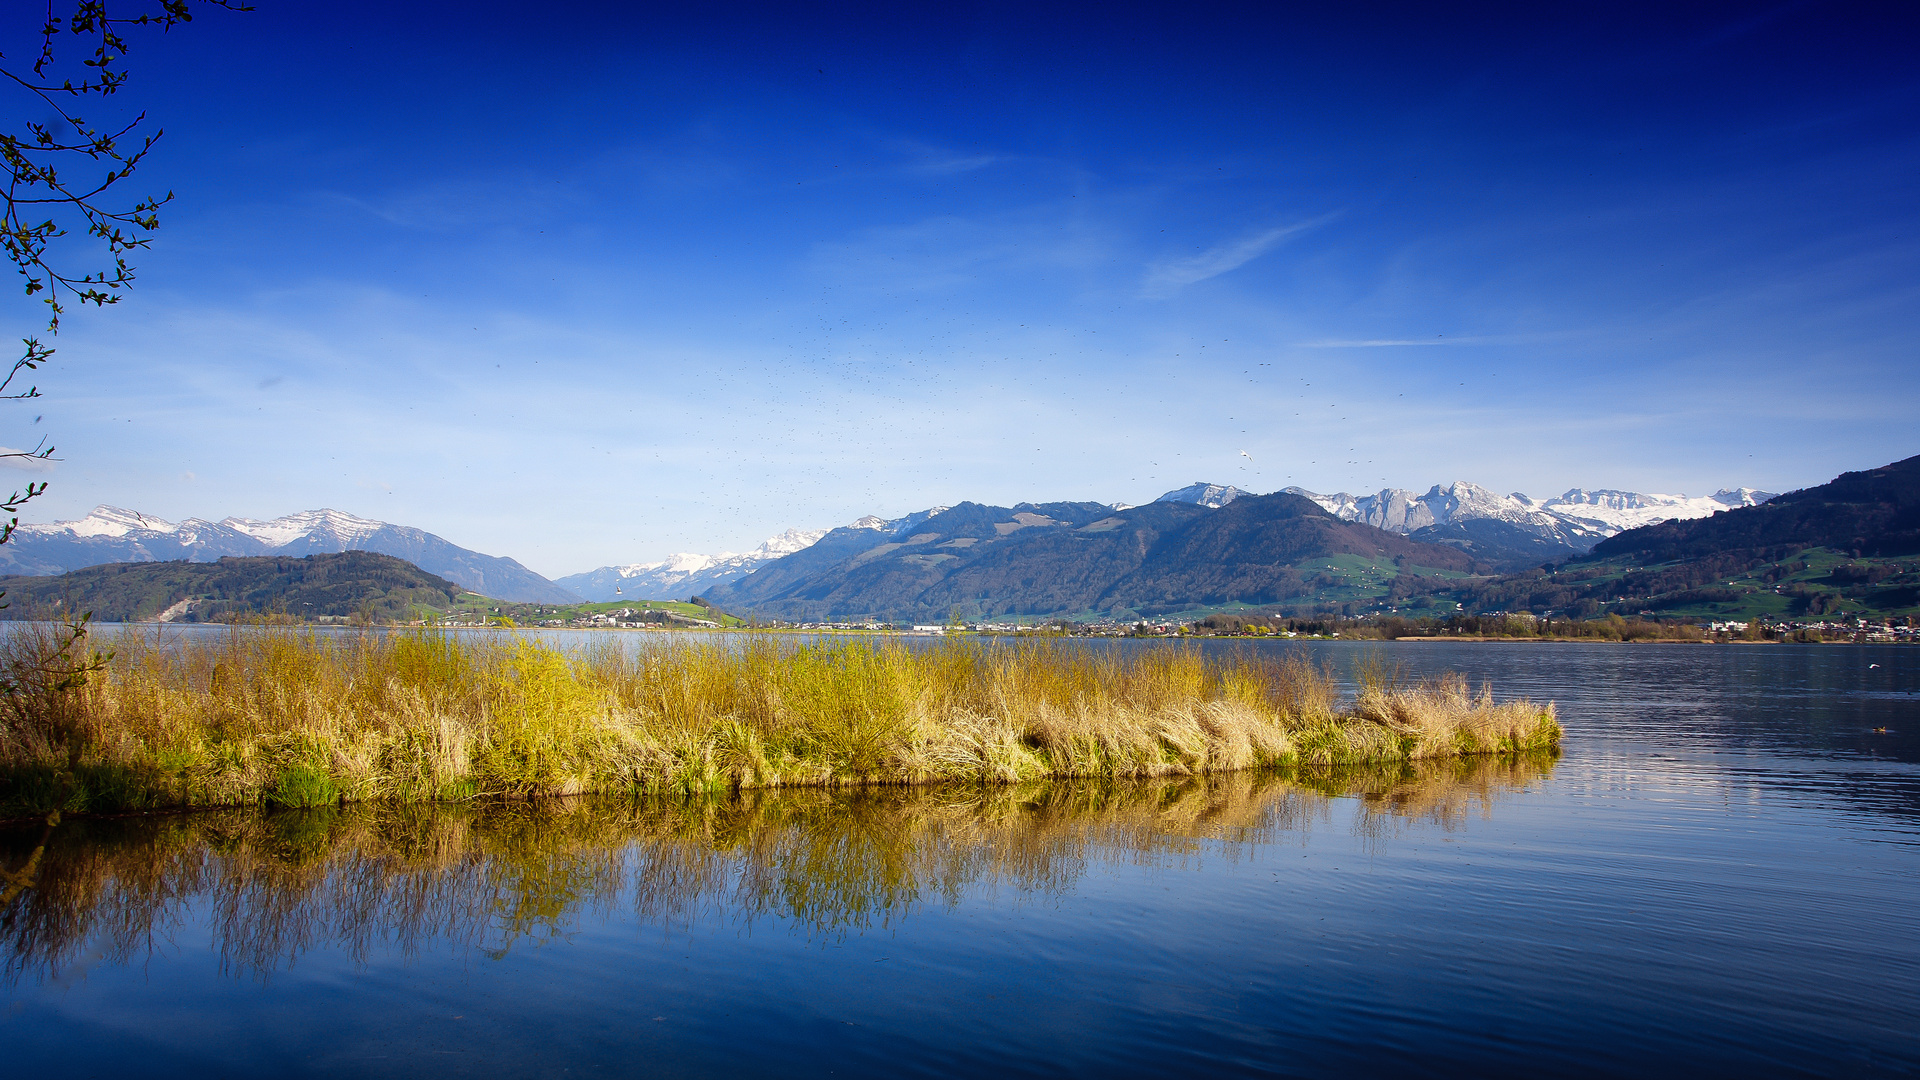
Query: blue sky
589	288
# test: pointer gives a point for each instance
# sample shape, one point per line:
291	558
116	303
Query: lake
1717	875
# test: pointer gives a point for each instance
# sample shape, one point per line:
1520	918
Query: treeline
1588	591
1585	592
1501	625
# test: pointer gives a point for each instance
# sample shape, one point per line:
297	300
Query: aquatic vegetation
303	718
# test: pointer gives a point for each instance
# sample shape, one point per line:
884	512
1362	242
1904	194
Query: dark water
1719	876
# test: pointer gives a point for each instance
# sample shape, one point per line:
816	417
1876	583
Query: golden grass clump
305	718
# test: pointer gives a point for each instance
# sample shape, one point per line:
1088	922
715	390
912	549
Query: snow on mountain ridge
115	521
110	534
1579	518
687	573
1618	511
894	525
104	520
1212	496
789	542
680	562
687	562
335	525
1401	511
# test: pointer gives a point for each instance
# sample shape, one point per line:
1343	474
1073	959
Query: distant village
1485	625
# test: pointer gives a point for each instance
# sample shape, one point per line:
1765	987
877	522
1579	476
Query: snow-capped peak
116	522
331	524
680	562
1203	493
1578	518
894	525
1743	496
115	534
788	542
1616	511
1402	511
106	520
686	573
684	563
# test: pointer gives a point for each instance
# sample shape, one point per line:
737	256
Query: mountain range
112	535
1502	532
1871	513
1511	532
1083	558
1842	547
1580	517
683	574
1497	533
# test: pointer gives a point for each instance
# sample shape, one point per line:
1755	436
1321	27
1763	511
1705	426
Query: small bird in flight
1246	455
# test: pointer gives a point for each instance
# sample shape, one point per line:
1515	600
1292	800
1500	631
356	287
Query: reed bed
290	717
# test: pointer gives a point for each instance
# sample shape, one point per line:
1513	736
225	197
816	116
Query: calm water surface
1718	876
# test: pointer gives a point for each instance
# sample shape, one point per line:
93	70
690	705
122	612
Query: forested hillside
344	585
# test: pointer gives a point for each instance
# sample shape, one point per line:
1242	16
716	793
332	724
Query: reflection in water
492	878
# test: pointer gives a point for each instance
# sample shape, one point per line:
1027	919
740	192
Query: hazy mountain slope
114	535
1033	559
1071	558
1252	551
888	568
342	584
783	575
684	574
1501	545
1066	568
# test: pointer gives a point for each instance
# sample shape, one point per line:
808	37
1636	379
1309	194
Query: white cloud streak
1377	343
1165	279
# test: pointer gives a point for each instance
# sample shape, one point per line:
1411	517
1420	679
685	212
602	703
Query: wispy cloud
1167	278
1379	343
951	164
454	205
949	253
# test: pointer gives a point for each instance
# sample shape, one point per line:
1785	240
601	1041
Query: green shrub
303	787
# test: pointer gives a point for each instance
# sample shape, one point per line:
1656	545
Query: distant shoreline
1636	641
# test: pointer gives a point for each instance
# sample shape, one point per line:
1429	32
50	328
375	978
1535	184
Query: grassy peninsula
294	717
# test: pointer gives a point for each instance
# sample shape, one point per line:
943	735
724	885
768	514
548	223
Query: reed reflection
373	879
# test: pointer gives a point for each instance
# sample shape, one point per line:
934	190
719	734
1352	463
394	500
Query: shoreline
1294	772
925	635
1635	641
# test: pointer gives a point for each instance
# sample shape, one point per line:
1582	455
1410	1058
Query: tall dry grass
300	718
